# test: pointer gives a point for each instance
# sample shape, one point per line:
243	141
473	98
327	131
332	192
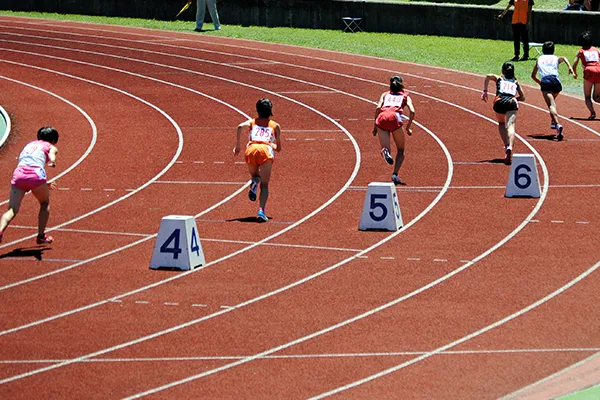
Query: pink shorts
389	121
27	178
592	73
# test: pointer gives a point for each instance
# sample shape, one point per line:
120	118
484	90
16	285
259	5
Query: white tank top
35	154
548	65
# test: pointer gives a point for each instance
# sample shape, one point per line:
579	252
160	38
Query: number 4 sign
523	178
177	244
381	209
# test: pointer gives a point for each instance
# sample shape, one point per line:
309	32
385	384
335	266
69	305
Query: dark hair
396	84
585	40
264	108
48	134
508	70
548	47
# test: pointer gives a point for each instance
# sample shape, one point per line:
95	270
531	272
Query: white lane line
464	339
245	303
164	114
311	356
198	183
80	110
394	302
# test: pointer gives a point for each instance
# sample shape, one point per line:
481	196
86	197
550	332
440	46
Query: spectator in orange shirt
520	26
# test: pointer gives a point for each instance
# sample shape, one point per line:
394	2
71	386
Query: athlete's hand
575	75
409	131
52	185
374	131
236	150
484	96
52	164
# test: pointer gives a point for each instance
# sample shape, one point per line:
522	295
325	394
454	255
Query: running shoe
559	130
253	189
508	157
44	239
396	180
553	125
388	157
261	215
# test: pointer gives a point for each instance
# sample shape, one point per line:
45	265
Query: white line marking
199	183
85	115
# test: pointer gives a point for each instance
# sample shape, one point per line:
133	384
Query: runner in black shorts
547	67
506	104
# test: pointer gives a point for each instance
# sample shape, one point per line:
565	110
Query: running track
476	297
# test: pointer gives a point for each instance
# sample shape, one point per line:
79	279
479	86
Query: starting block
523	178
177	244
381	209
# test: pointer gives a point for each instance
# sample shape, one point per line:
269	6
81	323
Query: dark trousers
521	33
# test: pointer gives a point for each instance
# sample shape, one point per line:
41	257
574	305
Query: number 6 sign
381	210
177	244
523	178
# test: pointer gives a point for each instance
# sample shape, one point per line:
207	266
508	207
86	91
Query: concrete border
4	126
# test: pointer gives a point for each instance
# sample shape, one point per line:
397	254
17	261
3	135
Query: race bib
393	100
590	56
261	134
508	87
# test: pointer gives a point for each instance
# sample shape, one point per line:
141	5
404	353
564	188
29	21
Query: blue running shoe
253	189
261	215
396	179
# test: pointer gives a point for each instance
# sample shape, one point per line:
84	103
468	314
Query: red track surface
477	297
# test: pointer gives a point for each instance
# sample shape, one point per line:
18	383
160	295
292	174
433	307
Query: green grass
474	55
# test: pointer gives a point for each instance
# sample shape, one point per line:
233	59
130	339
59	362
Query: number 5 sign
523	178
177	244
381	210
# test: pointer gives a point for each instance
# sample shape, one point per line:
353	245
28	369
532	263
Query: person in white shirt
547	67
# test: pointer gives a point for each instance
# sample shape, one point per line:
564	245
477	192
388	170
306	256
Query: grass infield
465	54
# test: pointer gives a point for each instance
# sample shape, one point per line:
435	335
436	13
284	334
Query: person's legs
549	99
501	118
200	12
42	194
384	141
399	140
254	175
596	92
14	203
517	45
265	177
587	95
214	15
525	40
511	122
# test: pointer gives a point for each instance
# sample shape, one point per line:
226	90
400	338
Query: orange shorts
258	153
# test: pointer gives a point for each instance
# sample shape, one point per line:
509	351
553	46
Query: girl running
506	105
590	59
389	119
264	136
547	66
30	174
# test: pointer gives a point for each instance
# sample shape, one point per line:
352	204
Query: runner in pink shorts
30	175
389	121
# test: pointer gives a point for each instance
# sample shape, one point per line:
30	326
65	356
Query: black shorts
551	84
504	104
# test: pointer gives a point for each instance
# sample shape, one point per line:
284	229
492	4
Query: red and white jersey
394	101
262	130
590	56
